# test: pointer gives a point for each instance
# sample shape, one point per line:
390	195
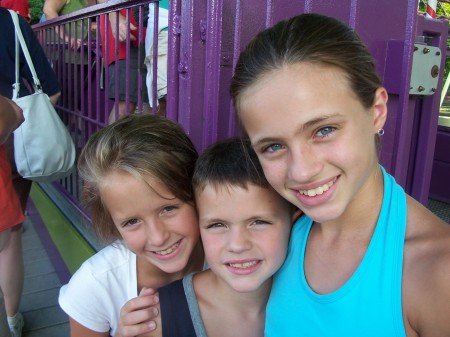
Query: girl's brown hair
140	145
309	38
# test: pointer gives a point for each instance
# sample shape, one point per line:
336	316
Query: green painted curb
73	249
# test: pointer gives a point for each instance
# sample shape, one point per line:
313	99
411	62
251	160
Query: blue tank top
369	304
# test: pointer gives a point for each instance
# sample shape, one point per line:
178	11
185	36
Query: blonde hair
140	145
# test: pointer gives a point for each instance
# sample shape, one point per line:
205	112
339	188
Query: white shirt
100	287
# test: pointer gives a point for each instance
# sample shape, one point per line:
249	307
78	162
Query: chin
324	216
245	287
170	267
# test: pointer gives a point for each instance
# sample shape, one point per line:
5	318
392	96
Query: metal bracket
425	70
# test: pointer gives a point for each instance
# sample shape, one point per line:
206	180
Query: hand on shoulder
140	315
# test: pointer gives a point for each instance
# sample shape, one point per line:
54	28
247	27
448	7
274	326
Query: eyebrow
267	217
319	120
211	220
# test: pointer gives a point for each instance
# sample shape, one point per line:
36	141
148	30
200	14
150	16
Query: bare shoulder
426	273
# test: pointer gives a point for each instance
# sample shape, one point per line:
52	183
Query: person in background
11	213
54	8
11	260
21	7
11	116
163	36
366	259
137	185
114	49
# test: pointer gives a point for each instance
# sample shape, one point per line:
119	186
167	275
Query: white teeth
168	250
243	265
318	190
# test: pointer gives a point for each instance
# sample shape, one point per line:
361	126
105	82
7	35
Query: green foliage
35	10
443	10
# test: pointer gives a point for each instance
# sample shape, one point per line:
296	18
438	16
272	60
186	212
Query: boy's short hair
229	162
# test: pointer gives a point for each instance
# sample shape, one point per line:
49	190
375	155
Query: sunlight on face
245	233
159	228
313	137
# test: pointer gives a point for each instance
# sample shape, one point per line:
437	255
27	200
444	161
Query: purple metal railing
83	73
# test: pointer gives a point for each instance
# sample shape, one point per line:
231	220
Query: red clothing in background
19	6
10	209
121	50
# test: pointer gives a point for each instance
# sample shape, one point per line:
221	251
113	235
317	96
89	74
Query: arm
138	315
11	117
54	98
122	25
51	10
78	330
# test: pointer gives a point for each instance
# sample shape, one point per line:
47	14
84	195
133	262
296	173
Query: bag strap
20	39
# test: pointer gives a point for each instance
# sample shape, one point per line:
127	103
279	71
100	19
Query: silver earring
380	132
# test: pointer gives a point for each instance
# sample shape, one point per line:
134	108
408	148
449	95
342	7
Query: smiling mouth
168	250
243	265
318	190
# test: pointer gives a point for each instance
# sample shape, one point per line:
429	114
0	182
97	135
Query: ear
379	108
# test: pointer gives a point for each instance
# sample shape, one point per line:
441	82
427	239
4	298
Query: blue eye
326	131
273	148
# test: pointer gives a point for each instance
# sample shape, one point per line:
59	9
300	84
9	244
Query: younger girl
137	184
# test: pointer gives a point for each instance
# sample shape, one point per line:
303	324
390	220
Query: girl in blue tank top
366	259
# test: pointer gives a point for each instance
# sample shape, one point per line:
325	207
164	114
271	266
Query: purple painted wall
210	35
440	182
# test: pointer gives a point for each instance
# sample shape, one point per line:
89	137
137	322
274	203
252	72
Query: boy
244	226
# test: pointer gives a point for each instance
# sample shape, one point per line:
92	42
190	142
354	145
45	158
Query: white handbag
43	148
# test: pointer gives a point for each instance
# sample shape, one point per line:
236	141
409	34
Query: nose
239	240
304	163
157	233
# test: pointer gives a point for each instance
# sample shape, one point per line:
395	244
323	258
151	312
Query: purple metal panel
191	69
421	169
227	125
173	59
389	35
440	182
213	37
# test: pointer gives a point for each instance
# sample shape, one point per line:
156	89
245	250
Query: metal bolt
426	50
420	88
182	68
433	89
435	71
416	48
438	53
